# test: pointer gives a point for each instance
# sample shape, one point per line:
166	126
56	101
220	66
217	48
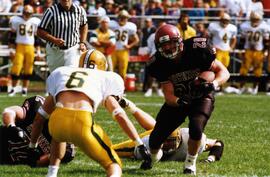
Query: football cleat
189	171
148	93
12	93
146	155
24	93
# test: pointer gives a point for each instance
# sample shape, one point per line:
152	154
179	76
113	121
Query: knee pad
217	150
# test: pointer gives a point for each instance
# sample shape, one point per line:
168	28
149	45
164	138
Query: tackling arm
46	108
121	117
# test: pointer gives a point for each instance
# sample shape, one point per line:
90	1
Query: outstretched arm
143	118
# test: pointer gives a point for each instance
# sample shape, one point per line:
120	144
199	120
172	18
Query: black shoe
24	93
11	93
189	171
146	155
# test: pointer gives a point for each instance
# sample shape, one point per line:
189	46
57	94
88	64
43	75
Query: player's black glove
207	87
146	155
16	133
201	87
33	155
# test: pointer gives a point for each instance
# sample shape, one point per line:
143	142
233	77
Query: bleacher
41	68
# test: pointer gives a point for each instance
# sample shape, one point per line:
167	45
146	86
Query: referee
64	27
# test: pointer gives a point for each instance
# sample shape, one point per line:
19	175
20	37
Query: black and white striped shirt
64	24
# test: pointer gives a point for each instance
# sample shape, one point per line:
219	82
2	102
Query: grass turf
242	122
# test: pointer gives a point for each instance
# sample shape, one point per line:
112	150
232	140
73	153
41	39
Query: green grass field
242	122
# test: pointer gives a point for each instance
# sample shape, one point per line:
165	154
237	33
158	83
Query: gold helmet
255	18
28	9
93	59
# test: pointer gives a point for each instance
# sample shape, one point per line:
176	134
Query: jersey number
253	36
121	36
225	38
23	30
76	79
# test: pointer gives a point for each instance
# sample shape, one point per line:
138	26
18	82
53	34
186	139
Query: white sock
156	157
190	161
24	89
52	171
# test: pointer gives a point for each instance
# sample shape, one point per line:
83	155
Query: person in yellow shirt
185	29
103	39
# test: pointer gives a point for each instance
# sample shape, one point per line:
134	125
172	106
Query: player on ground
15	136
25	27
74	95
175	146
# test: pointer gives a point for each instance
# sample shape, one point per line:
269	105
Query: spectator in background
109	7
5	6
149	80
184	27
176	6
147	30
96	11
126	38
17	6
144	49
103	39
255	6
223	36
153	7
256	33
198	9
47	4
84	4
235	8
25	27
65	38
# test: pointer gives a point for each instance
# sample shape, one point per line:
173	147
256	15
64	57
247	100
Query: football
208	76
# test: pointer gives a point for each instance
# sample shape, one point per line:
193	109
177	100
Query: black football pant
169	118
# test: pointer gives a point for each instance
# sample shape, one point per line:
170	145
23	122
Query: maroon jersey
197	56
14	151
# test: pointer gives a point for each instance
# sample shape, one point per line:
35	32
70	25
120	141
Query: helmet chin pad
170	49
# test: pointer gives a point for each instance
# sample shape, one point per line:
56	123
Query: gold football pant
126	148
24	58
252	58
120	60
78	127
223	57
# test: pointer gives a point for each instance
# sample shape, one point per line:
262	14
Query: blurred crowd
239	8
